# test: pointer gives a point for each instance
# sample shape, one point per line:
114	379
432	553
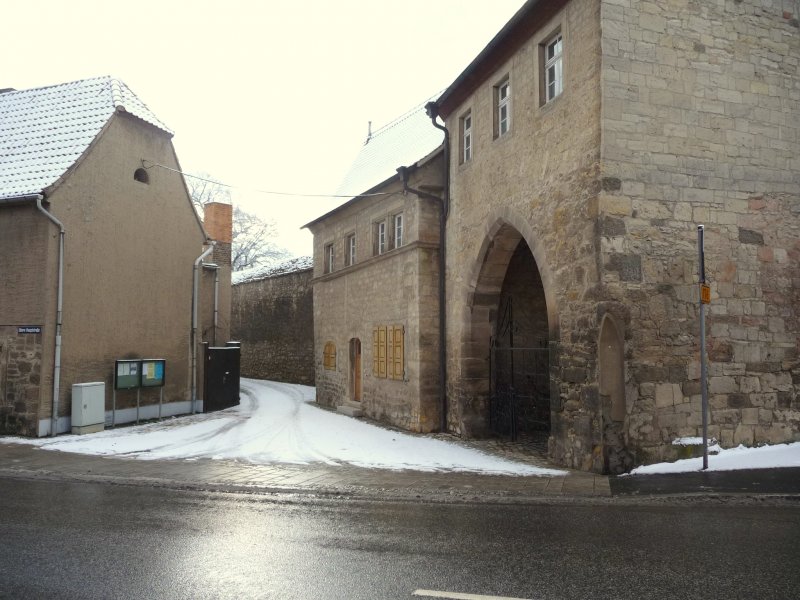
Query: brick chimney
218	219
218	222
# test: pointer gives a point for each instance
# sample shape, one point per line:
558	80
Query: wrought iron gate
221	375
519	380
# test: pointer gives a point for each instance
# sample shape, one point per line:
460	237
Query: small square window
502	116
553	69
350	250
466	137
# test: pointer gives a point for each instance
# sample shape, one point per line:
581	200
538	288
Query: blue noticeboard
153	372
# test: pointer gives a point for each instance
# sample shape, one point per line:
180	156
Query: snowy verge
765	457
278	423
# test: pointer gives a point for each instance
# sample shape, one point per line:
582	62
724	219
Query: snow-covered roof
401	143
44	131
303	263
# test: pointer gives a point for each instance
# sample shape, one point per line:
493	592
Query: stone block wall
701	125
273	318
20	381
539	183
397	288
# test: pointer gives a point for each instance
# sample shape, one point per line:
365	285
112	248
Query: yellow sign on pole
705	293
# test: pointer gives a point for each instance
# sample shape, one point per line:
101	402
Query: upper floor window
553	74
398	230
466	137
502	117
380	237
350	250
328	258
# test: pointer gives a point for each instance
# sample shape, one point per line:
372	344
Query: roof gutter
59	310
444	205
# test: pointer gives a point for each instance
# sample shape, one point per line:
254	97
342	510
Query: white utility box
88	407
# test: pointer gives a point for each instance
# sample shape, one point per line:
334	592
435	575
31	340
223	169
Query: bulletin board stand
135	374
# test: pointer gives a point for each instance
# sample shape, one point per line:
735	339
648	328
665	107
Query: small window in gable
141	175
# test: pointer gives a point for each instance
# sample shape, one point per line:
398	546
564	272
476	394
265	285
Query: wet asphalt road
81	540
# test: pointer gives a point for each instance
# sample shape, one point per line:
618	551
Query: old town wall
700	125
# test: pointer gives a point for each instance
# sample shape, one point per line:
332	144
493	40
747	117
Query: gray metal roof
401	143
44	131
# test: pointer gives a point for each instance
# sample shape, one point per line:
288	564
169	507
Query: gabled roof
514	34
44	131
402	142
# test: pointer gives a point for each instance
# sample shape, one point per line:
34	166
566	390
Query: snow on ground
765	457
279	423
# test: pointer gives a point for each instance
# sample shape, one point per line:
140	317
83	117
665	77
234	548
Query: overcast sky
269	95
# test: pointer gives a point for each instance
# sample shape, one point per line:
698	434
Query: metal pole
160	401
138	391
703	367
114	407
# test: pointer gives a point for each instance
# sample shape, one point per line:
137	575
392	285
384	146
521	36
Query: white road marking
459	596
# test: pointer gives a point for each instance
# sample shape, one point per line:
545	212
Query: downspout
195	302
59	313
216	300
444	205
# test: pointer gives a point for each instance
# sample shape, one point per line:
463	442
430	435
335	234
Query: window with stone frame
380	242
397	230
466	137
502	108
329	257
552	68
350	250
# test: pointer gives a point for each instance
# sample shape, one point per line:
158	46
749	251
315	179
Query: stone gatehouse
586	144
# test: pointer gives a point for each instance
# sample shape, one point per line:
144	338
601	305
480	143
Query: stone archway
510	264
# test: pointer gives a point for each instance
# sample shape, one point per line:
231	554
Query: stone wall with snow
272	316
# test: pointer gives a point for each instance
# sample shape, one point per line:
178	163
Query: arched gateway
511	324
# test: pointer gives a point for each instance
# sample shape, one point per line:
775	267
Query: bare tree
203	189
252	236
252	245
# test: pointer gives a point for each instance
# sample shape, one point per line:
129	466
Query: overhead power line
235	187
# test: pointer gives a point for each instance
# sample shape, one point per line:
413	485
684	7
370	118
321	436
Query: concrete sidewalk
20	460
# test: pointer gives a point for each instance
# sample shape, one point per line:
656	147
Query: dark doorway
520	359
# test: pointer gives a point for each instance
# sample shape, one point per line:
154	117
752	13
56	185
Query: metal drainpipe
59	313
432	110
195	285
443	205
216	299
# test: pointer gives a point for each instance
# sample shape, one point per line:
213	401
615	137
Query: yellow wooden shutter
397	353
382	352
379	351
375	351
